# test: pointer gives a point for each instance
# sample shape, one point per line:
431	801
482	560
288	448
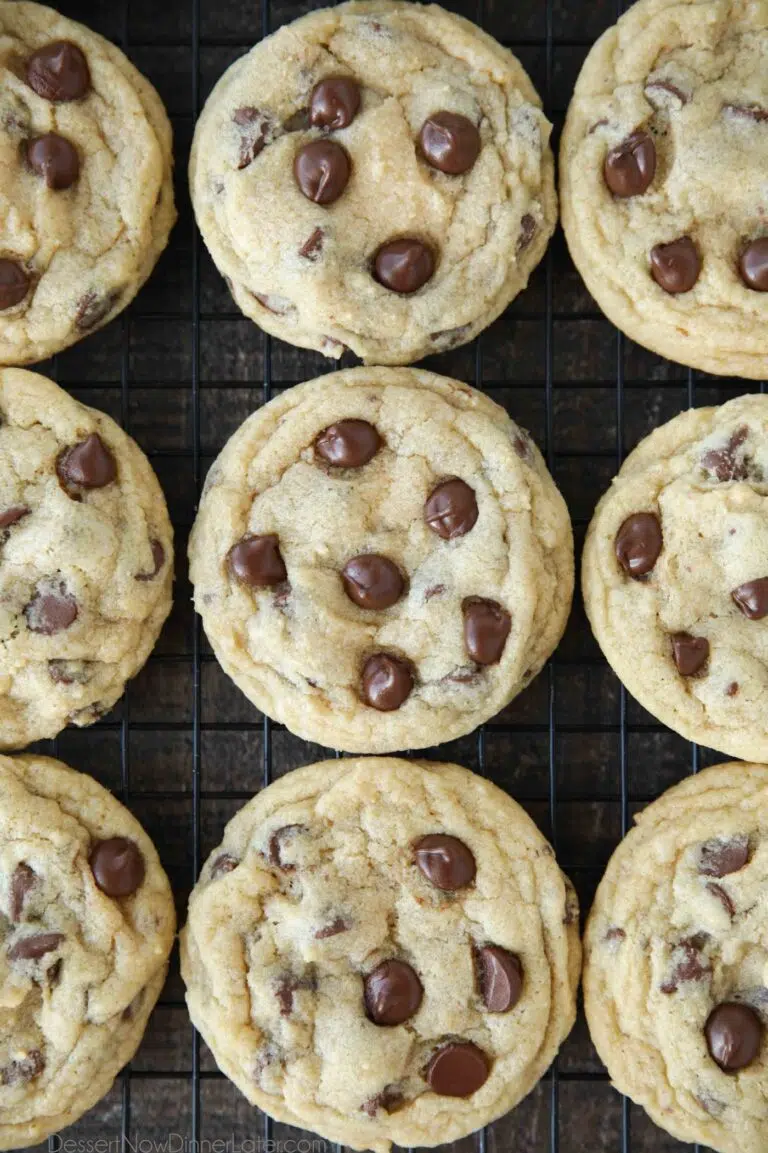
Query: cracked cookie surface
663	165
86	189
675	575
434	136
86	926
381	559
675	969
86	560
383	951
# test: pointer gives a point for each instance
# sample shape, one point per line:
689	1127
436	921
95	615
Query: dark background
181	369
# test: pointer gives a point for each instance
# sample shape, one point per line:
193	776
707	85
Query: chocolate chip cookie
86	925
676	575
85	181
381	559
675	972
86	560
383	951
663	166
375	176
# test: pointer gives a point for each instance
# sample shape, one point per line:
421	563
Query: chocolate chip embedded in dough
719	858
457	1069
734	1034
630	167
500	978
118	867
23	882
33	947
445	861
24	1069
639	543
59	72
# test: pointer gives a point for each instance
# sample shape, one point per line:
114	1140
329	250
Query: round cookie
675	968
662	165
675	575
381	559
86	188
86	560
383	951
375	176
86	926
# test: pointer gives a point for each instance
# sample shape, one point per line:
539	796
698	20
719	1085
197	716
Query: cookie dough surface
86	560
86	245
80	970
315	886
703	480
690	75
678	930
299	647
303	270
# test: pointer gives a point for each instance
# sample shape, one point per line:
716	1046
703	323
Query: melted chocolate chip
322	169
691	653
373	582
392	993
348	444
734	1036
389	1099
719	893
334	103
59	72
256	561
721	858
676	266
92	309
13	515
752	598
312	247
254	126
14	284
34	947
451	509
158	560
630	167
724	462
404	266
22	883
118	867
332	929
689	965
386	682
753	265
450	142
638	543
486	628
527	232
445	861
277	843
499	977
23	1069
51	611
87	464
55	159
457	1069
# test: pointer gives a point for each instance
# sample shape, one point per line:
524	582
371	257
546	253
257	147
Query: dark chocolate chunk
34	947
158	560
22	883
386	682
676	266
256	561
451	509
51	611
721	858
334	103
486	628
753	265
734	1036
322	169
59	72
14	284
404	266
445	861
752	598
638	543
499	977
691	653
373	582
118	867
630	167
392	993
390	1099
55	159
348	444
450	142
87	464
313	246
457	1069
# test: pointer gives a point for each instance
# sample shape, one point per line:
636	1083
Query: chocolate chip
392	993
298	122
158	560
752	598
389	1099
638	543
719	893
676	266
277	305
224	864
522	447
724	462
34	947
348	444
322	170
284	990
450	142
338	925
277	842
334	103
256	561
22	883
733	689
616	934
434	591
486	628
691	653
527	231
449	338
87	464
689	964
404	266
118	867
753	265
734	1035
630	167
92	309
668	87
386	682
51	611
372	581
254	126
747	111
457	1069
721	858
445	861
69	672
55	159
312	247
14	284
59	72
499	977
451	509
13	515
23	1069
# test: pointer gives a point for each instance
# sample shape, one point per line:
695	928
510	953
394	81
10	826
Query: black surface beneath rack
181	370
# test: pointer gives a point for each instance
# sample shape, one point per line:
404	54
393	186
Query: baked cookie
375	176
676	575
86	560
675	968
86	925
383	951
662	167
381	559
86	190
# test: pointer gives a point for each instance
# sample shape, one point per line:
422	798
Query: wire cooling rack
180	370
